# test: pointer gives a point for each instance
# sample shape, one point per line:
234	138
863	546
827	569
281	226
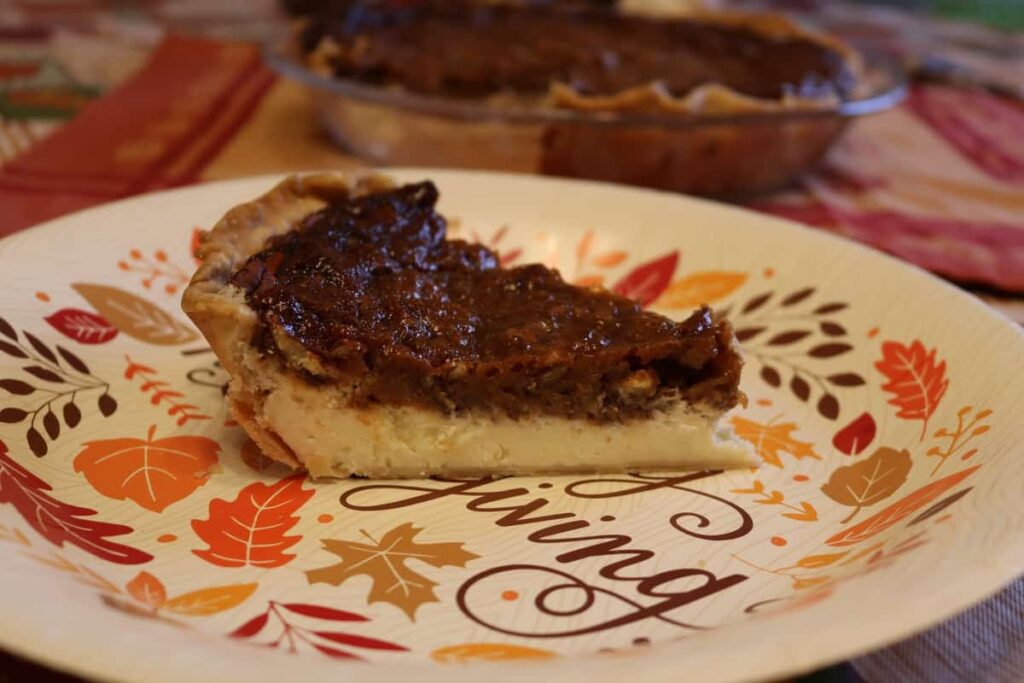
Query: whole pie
579	56
361	341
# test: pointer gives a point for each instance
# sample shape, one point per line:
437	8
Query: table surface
938	181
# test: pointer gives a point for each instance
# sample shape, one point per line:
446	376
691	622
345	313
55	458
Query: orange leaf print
488	652
916	382
148	590
153	473
802	582
701	288
609	259
770	441
898	510
819	561
583	248
210	600
129	607
250	530
590	281
806	513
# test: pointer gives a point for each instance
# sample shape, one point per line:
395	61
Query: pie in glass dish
579	56
361	341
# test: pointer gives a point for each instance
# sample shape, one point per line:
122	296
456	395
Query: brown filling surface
371	286
461	49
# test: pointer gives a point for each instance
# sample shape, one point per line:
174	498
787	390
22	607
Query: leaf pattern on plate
136	317
965	431
506	257
80	572
251	530
772	440
850	564
150	593
157	269
940	506
586	257
386	563
151	472
788	335
147	589
59	522
916	380
856	436
802	512
868	481
488	652
84	327
60	379
899	510
703	287
645	283
291	623
161	393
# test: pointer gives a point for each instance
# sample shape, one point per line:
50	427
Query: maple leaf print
771	440
250	530
152	472
386	563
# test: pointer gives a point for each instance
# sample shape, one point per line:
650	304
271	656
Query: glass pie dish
712	155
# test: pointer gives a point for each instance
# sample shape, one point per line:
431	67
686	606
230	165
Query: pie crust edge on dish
312	426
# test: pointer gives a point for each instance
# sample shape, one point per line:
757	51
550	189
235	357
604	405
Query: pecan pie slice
360	340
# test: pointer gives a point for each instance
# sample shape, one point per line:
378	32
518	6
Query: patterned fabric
938	182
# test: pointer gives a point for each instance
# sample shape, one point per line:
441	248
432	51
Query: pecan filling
371	286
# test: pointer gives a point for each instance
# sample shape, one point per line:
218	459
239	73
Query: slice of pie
361	341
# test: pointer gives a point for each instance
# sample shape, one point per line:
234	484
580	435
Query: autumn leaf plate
145	539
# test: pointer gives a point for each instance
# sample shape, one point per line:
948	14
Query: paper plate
144	538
